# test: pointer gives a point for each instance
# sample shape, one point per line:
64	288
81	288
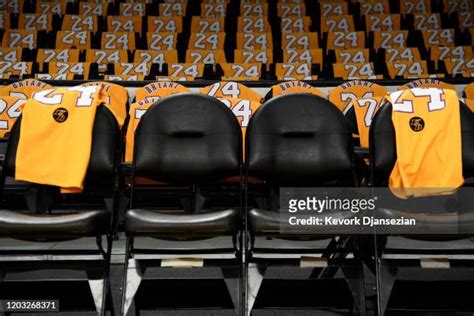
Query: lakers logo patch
417	124
60	115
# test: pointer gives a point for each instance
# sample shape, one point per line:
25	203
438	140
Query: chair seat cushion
445	226
58	224
12	184
208	223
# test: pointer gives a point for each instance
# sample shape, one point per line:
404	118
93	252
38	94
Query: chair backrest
104	151
299	139
189	139
3	147
383	150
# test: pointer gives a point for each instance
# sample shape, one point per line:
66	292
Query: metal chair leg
231	277
386	276
255	278
354	276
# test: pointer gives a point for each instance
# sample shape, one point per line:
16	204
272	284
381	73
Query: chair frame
138	261
95	263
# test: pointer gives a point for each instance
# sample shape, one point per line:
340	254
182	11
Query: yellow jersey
24	89
116	99
243	110
365	110
427	83
231	89
294	86
160	90
56	136
136	112
344	94
429	154
10	110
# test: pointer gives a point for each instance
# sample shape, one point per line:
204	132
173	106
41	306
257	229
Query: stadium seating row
357	99
158	41
249	8
242	71
297	40
245	24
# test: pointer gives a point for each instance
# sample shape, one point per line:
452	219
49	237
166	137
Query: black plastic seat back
299	139
3	148
104	151
383	151
188	139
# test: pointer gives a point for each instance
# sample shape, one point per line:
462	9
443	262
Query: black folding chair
45	230
298	141
190	143
446	241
